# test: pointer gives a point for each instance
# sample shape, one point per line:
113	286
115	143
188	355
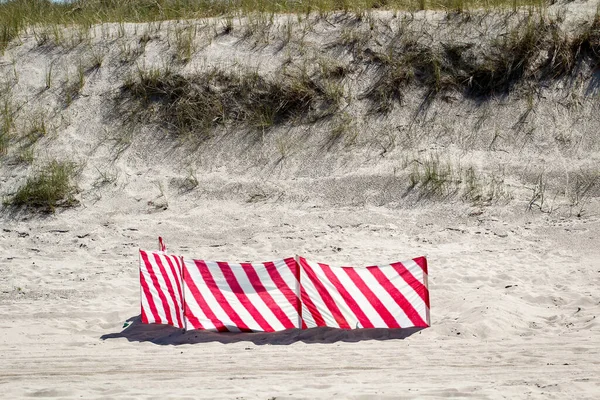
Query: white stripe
178	278
196	311
163	286
307	317
385	298
253	296
415	270
153	292
403	287
210	300
214	306
179	270
144	299
338	299
231	297
317	300
146	308
173	279
359	297
290	279
279	297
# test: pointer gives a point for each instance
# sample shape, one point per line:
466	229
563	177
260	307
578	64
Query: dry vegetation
50	186
435	178
535	51
200	102
312	87
16	15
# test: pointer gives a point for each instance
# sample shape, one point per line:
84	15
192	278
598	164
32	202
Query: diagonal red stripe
161	293
266	297
144	317
212	285
289	294
398	297
385	314
174	296
192	319
347	297
327	299
306	300
409	278
421	262
156	285
148	295
191	285
243	297
295	268
177	272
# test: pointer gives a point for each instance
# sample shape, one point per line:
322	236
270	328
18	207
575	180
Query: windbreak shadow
168	335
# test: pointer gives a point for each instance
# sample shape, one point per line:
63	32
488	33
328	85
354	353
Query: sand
515	304
514	307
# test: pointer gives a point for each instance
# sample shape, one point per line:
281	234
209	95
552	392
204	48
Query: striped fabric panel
385	296
161	289
245	297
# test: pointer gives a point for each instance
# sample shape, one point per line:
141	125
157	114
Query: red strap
161	245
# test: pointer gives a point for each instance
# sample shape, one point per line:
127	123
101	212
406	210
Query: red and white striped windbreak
161	291
282	294
385	296
247	297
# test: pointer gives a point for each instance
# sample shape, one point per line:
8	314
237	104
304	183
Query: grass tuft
585	185
7	122
216	97
16	15
437	179
50	186
535	51
184	43
344	130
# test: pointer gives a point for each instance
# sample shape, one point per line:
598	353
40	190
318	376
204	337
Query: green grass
535	51
197	103
584	185
437	179
7	122
184	43
25	155
343	130
16	15
4	142
434	177
76	82
50	186
38	126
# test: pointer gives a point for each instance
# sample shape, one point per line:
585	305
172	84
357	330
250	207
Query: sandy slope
515	292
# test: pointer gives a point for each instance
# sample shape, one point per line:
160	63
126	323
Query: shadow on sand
168	335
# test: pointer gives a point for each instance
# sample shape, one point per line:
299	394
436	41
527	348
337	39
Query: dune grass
7	122
16	15
206	99
535	51
50	186
438	179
